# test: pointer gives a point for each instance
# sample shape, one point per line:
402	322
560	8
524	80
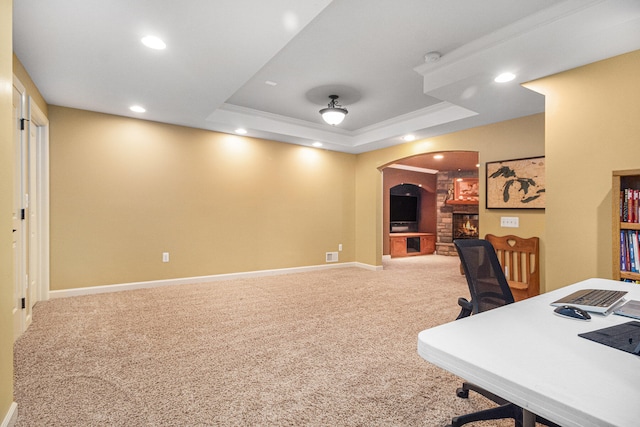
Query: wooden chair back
519	258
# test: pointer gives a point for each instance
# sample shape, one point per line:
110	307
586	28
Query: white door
20	224
30	208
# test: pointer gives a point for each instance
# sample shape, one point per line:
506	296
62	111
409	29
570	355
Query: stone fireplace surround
444	233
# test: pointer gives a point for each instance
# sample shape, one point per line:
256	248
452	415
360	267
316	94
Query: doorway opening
436	175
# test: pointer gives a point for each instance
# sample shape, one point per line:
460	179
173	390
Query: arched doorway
435	174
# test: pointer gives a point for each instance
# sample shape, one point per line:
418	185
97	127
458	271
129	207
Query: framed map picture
516	184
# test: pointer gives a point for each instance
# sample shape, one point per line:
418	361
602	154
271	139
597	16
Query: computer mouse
572	312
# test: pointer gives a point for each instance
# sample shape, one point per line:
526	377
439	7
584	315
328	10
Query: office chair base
505	411
462	393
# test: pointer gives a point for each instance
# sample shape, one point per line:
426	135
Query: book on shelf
632	255
630	205
630	251
636	254
623	252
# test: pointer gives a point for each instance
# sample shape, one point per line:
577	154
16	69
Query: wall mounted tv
403	208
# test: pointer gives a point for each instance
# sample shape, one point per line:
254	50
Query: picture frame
516	184
466	189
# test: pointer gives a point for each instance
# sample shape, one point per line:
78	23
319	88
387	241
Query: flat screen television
403	208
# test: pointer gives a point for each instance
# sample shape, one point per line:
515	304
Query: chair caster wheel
460	392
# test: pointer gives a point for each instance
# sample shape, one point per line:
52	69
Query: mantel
462	202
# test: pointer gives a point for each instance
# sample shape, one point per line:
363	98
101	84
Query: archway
435	175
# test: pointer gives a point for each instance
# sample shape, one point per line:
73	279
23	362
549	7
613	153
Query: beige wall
123	191
6	209
511	139
592	129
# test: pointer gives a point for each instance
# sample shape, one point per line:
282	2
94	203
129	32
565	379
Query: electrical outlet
340	247
509	221
165	256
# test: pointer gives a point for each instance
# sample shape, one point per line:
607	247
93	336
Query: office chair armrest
467	308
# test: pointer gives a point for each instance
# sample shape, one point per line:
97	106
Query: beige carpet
328	348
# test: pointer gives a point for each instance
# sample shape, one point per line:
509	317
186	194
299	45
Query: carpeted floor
325	348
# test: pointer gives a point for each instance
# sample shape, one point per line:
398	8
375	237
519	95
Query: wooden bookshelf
625	179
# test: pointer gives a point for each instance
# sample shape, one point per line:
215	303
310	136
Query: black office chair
489	289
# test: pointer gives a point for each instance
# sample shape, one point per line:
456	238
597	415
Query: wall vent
332	256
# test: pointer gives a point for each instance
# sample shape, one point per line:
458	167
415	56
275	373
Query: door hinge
24	303
22	121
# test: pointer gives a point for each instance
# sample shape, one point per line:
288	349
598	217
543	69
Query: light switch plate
509	221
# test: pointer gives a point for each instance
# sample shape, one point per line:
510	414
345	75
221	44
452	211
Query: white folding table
528	355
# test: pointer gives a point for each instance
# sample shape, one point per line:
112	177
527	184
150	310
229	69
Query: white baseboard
368	266
386	257
11	417
201	279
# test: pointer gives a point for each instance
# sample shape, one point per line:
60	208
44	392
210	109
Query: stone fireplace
453	216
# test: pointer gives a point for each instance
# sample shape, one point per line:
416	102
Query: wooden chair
519	258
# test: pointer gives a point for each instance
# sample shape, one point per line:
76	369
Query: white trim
11	417
296	131
368	266
20	194
413	168
64	293
38	118
386	257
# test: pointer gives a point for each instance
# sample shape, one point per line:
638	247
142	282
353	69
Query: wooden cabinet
408	244
625	194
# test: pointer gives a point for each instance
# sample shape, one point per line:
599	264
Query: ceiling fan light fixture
334	114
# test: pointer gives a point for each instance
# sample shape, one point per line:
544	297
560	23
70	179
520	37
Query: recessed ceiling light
409	138
153	42
241	131
290	21
505	77
438	157
137	109
317	144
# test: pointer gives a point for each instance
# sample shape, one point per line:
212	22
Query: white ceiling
220	53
